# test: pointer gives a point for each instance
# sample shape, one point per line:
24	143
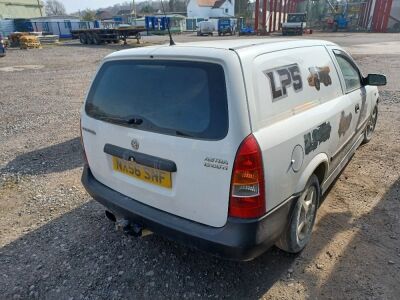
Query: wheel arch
318	166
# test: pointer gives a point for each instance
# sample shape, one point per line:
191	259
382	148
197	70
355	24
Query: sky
75	5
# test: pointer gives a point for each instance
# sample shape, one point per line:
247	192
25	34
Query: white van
226	146
205	28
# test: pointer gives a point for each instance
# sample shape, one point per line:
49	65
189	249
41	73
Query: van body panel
305	117
201	184
291	95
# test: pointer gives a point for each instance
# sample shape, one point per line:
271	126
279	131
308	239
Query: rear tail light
247	198
82	145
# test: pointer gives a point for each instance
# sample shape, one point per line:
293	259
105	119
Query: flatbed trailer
99	36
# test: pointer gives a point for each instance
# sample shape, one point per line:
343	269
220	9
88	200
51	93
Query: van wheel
369	130
298	231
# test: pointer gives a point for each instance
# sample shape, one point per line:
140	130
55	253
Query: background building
59	25
21	9
210	8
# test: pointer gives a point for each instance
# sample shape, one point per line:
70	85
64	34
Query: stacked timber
29	42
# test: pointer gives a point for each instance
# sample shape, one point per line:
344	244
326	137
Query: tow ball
126	226
129	228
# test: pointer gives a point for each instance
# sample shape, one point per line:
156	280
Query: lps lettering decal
286	77
319	75
319	135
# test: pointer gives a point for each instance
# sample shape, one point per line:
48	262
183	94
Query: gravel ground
55	242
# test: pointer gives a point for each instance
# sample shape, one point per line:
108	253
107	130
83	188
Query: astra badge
135	144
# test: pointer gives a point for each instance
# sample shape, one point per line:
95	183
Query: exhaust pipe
127	227
111	216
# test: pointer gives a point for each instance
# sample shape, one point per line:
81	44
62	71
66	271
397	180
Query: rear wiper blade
134	121
183	133
128	120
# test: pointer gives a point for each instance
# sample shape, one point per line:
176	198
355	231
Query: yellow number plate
150	175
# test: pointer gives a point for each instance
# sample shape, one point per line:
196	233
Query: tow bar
127	227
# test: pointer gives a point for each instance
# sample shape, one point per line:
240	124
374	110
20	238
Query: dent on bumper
239	239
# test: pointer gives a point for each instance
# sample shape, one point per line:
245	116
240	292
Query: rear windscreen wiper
183	133
134	121
128	120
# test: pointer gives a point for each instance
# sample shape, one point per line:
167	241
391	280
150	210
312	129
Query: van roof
260	45
235	44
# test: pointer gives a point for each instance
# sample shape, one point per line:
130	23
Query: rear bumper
238	239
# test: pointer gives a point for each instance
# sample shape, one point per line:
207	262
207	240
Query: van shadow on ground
369	265
81	255
56	158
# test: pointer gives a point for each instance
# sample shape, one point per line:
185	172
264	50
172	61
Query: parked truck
107	35
226	26
295	24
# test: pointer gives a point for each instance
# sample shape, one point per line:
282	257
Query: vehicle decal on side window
317	136
344	123
287	76
319	75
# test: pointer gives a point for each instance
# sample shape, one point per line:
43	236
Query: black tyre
298	232
82	38
369	130
96	39
89	38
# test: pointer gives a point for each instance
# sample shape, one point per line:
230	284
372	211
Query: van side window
350	73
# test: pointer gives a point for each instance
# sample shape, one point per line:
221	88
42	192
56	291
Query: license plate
150	175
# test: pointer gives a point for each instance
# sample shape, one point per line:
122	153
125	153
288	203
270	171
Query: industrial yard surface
55	242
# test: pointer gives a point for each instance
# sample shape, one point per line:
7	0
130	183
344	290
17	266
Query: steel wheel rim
307	211
372	123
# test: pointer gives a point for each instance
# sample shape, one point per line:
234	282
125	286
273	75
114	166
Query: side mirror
375	79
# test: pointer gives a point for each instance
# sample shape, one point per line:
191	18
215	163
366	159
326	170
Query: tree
172	5
88	15
147	9
54	8
241	8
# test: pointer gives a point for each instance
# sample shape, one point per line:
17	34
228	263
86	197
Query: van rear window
172	97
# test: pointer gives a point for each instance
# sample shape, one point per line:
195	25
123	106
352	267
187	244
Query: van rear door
157	131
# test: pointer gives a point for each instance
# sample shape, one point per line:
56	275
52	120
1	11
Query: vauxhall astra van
225	146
